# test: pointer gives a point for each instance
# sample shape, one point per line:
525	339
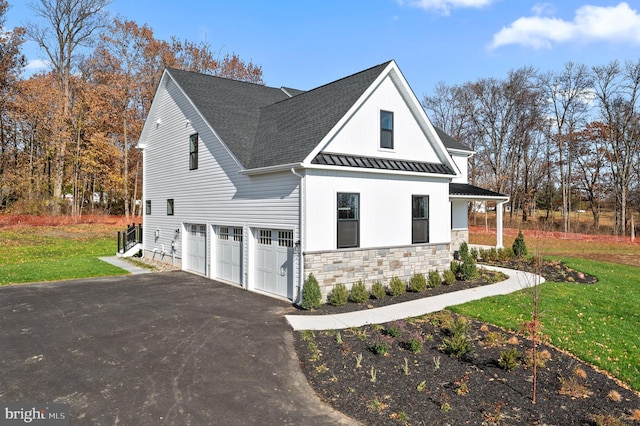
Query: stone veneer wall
457	237
347	266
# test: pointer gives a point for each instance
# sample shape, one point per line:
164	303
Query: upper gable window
386	129
193	151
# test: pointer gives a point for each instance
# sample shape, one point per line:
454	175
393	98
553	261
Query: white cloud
37	64
591	23
444	6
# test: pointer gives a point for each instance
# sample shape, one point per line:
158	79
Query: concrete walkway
123	264
517	280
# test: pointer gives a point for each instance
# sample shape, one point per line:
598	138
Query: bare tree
567	94
68	25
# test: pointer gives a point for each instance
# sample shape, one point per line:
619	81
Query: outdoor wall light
177	232
157	233
296	247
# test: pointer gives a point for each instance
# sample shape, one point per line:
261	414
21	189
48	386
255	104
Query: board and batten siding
385	208
360	135
213	194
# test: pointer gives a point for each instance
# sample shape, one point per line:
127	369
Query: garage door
274	262
196	248
229	254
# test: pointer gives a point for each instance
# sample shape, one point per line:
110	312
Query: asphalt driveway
164	348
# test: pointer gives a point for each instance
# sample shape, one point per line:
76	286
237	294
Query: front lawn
50	253
598	323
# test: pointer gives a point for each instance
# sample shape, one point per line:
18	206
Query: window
237	234
420	214
223	234
386	129
193	151
264	237
348	220
285	238
147	209
170	207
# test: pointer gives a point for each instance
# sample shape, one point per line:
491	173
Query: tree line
556	141
67	133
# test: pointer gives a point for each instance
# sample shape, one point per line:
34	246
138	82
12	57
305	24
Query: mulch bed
430	387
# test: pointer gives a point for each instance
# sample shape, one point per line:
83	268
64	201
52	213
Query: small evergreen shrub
359	293
378	291
490	255
505	254
415	342
509	359
464	250
468	269
458	346
417	283
311	295
394	329
435	280
519	246
397	287
339	295
455	267
449	277
474	253
381	345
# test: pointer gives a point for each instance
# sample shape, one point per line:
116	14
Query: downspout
301	244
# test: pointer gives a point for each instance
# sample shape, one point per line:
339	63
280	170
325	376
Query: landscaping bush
435	280
509	360
519	246
415	342
505	254
339	295
311	295
449	277
455	267
397	287
378	291
417	283
464	250
468	269
359	293
459	345
474	253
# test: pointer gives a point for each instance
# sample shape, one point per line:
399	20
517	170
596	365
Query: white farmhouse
260	186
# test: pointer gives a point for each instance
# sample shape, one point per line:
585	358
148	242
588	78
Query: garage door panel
229	254
274	262
196	248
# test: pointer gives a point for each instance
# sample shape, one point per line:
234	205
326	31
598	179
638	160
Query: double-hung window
193	151
420	219
386	129
348	220
147	209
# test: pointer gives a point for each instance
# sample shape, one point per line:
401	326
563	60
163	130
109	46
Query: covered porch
460	194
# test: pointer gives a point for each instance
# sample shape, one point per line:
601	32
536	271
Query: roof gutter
272	169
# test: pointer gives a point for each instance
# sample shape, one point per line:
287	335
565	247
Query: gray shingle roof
449	142
464	189
266	126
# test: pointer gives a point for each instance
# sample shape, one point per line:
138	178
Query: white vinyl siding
215	194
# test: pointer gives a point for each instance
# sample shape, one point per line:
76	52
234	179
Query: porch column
499	208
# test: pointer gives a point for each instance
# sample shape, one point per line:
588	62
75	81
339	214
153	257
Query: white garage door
274	262
229	254
196	248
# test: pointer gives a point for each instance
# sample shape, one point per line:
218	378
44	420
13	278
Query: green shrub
468	269
378	291
435	280
415	342
397	287
474	253
449	277
381	345
359	293
490	255
455	267
505	254
394	329
509	359
463	251
417	283
519	246
459	345
311	295
339	295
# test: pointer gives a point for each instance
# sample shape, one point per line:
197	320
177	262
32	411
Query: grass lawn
598	323
50	253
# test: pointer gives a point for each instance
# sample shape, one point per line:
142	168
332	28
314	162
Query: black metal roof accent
464	189
330	159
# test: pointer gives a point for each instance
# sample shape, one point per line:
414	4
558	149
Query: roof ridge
202	74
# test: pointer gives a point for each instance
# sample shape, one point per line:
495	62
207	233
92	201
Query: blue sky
305	43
